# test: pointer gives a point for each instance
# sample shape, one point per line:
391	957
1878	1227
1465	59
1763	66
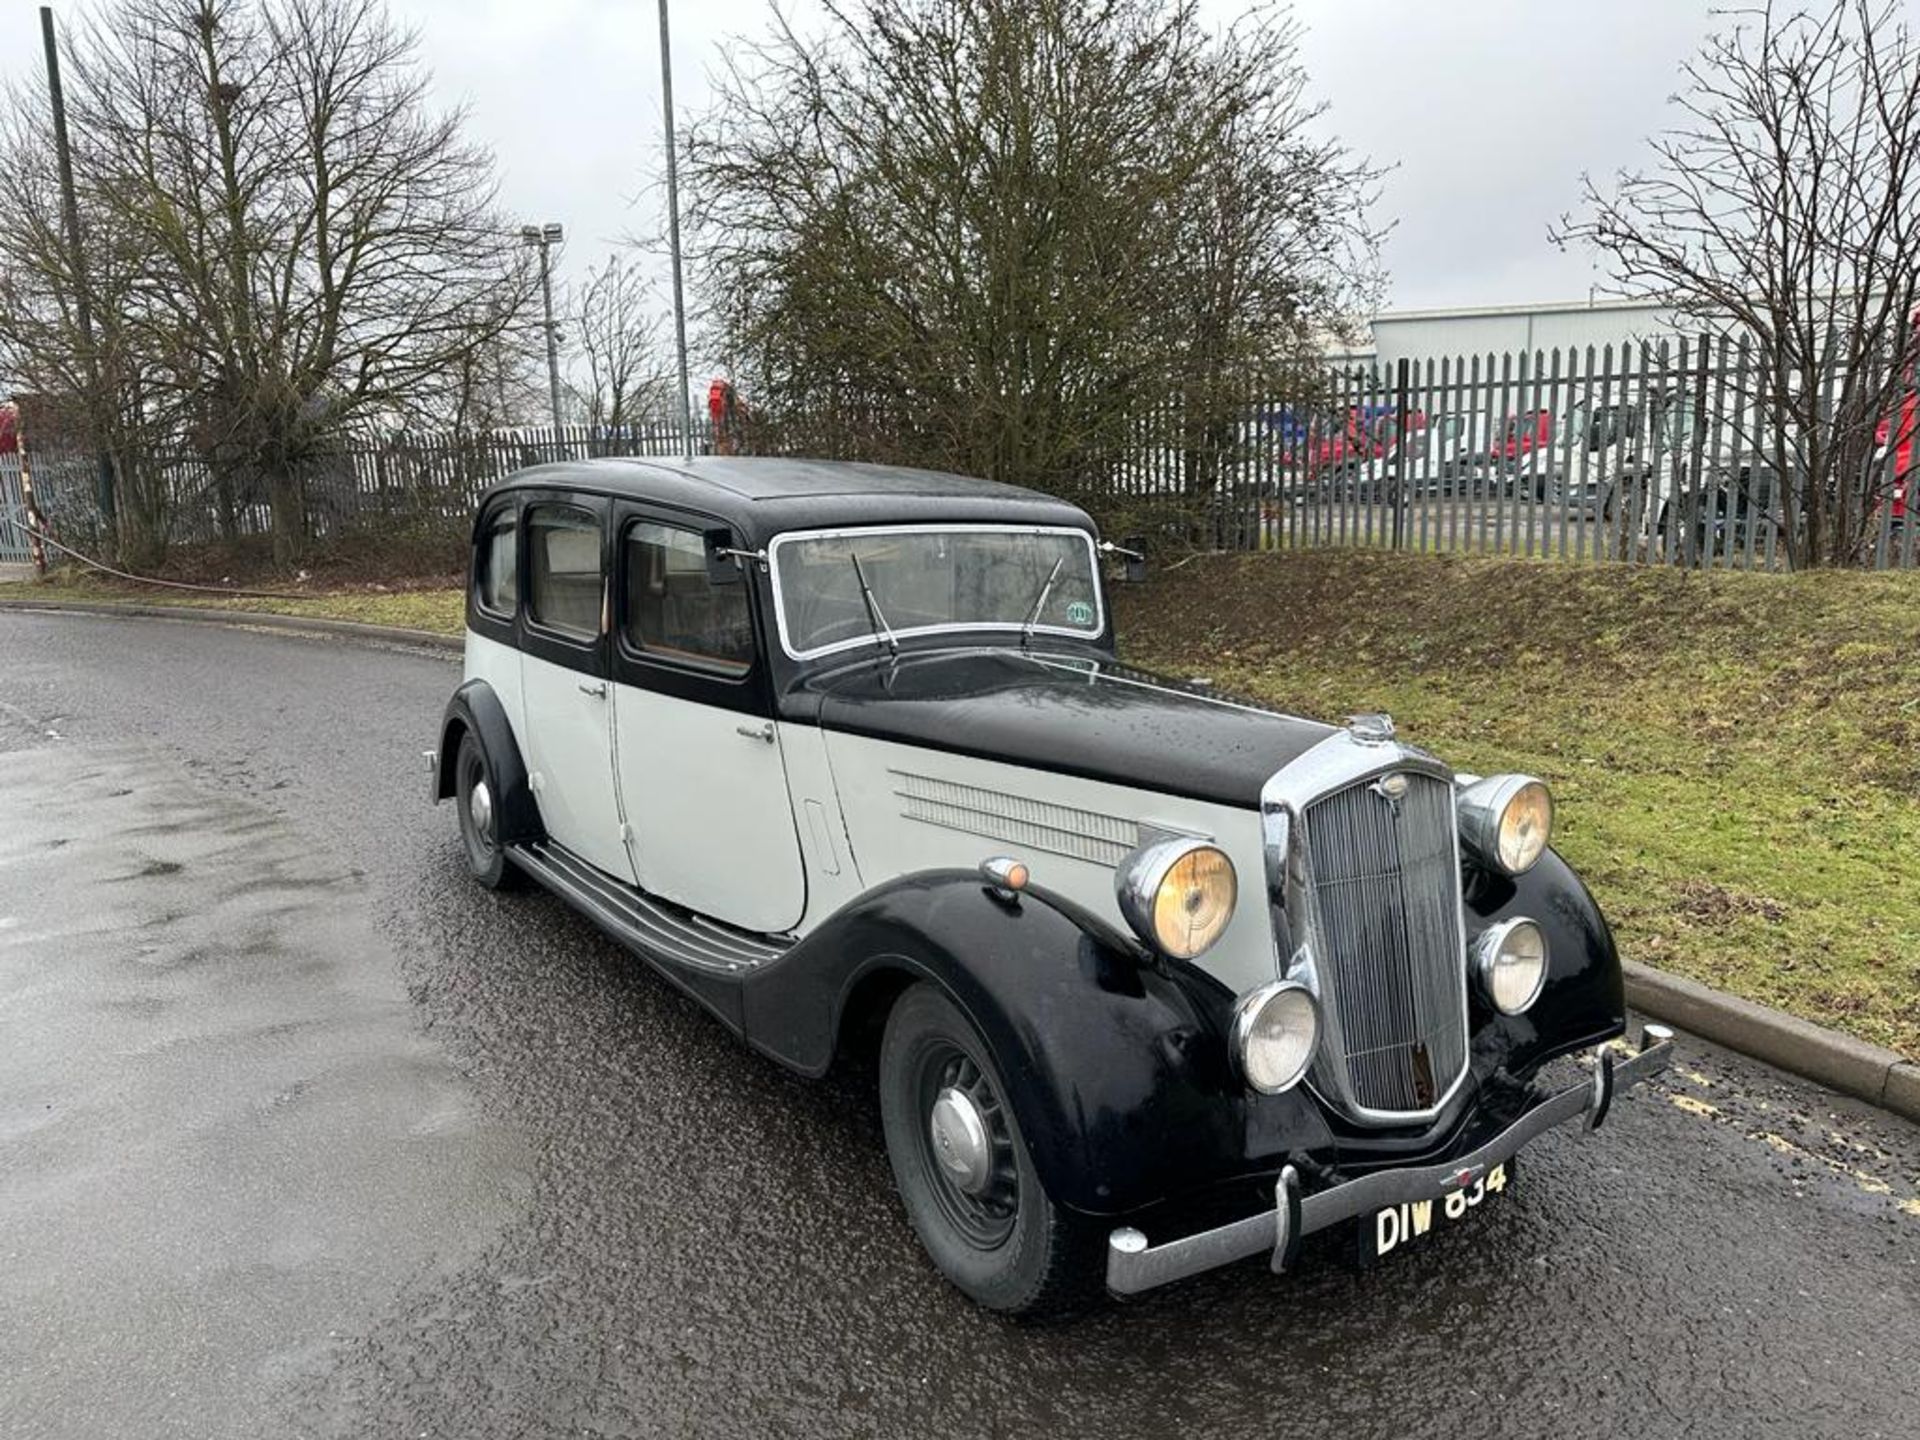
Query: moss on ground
1736	757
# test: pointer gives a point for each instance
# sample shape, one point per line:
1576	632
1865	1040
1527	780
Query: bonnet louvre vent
1016	819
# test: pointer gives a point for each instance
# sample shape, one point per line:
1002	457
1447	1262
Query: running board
636	919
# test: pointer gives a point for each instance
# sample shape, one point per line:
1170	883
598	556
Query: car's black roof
762	497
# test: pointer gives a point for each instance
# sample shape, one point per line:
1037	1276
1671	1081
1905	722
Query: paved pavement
301	1134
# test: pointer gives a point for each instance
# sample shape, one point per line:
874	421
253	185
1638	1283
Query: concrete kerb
1853	1067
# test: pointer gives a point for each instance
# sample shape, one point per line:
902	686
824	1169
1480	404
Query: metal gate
13	540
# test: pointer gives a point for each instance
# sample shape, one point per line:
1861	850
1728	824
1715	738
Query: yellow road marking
1871	1184
1867	1183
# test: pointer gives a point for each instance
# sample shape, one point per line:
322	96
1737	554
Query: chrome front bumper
1133	1265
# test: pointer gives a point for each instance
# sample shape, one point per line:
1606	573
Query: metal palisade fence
14	547
404	479
1653	453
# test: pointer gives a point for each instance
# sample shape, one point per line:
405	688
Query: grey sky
1489	109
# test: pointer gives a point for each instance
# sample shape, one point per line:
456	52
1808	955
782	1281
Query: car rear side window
674	612
563	569
498	565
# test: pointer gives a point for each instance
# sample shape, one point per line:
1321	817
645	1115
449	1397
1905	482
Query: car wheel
963	1170
479	800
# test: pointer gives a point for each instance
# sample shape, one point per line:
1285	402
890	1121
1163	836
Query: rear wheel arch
476	710
452	730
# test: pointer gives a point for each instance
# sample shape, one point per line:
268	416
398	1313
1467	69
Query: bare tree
87	387
617	318
991	235
309	245
1784	209
487	387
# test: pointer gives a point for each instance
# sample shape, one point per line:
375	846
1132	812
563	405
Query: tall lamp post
70	215
673	227
543	238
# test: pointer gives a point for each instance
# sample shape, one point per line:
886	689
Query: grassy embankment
1736	757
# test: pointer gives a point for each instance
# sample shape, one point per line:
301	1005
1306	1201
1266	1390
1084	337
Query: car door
698	756
563	679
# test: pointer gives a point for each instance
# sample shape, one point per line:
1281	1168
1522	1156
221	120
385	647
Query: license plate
1398	1226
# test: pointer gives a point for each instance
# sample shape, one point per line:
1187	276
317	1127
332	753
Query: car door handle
598	691
755	732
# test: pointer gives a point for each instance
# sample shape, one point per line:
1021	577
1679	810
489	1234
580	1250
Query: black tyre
964	1173
479	800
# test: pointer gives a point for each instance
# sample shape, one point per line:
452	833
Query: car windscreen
932	578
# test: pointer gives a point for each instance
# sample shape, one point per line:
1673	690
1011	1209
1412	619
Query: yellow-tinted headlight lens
1194	903
1506	822
1178	894
1525	826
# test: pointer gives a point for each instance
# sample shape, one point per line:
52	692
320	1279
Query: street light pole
70	214
673	228
543	237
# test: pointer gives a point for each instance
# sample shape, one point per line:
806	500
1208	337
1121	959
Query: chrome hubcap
480	808
960	1141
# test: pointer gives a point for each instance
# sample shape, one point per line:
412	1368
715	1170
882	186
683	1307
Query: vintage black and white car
1152	979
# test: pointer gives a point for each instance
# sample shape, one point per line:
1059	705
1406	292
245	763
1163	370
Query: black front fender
476	708
1118	1067
1584	999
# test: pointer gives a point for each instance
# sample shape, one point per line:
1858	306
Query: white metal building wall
1421	335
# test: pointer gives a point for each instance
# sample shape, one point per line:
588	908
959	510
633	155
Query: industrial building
1421	335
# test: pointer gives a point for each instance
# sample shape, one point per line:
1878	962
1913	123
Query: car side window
563	569
497	566
674	612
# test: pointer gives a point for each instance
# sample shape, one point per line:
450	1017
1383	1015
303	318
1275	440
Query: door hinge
626	832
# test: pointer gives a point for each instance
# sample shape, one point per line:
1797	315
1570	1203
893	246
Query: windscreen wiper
1040	602
881	630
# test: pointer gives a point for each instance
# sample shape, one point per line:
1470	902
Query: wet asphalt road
303	1134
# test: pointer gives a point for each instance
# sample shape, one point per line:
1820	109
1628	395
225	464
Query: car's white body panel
705	799
776	837
499	666
832	870
566	739
911	808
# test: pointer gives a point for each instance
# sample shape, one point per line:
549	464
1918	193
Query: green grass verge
1736	757
437	609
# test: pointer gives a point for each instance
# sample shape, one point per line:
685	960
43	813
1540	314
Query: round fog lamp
1510	960
1275	1031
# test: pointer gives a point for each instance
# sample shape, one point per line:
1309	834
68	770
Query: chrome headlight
1275	1031
1505	822
1510	962
1178	894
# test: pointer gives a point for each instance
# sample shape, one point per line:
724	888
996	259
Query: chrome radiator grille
1385	884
